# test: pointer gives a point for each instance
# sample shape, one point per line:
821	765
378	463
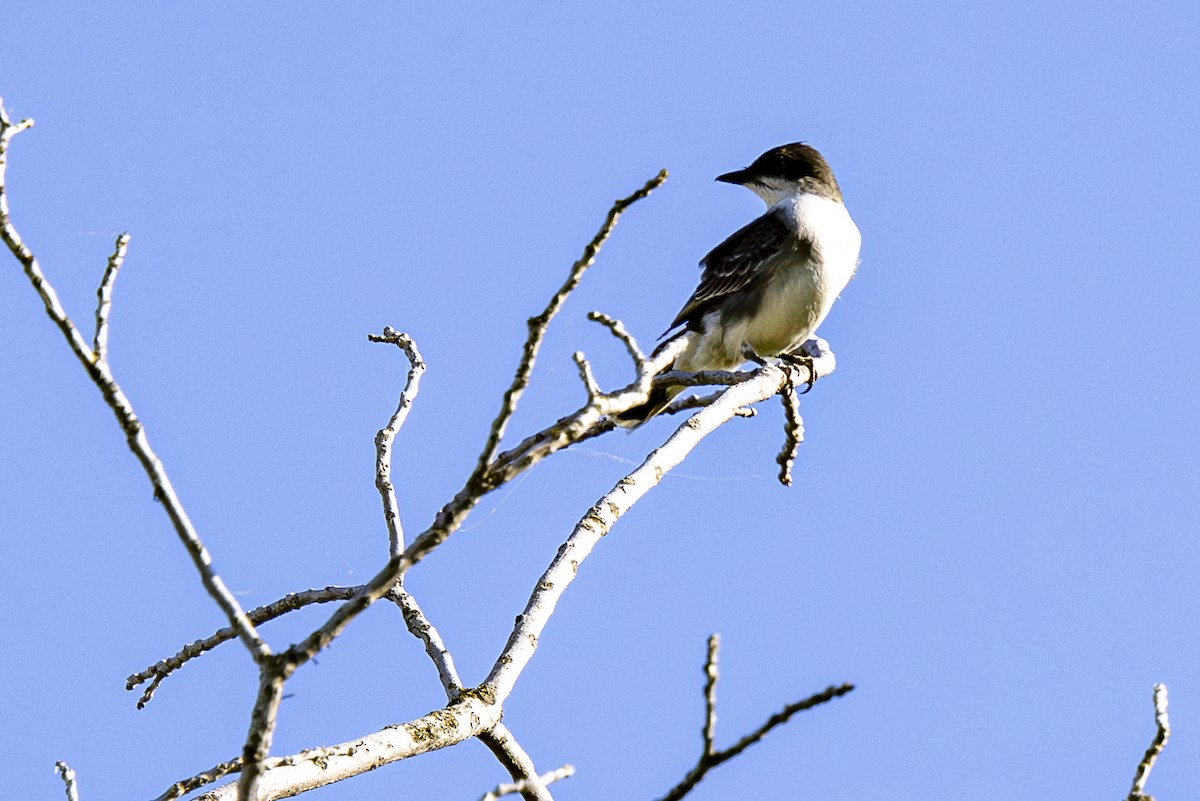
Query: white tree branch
537	325
482	480
519	765
262	726
617	328
424	631
604	514
104	297
387	435
793	431
68	777
287	776
469	712
288	603
98	370
501	790
1161	735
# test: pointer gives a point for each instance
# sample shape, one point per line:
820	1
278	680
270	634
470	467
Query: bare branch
367	594
604	514
181	788
685	403
537	325
703	378
288	603
710	760
793	430
565	772
618	330
135	435
262	726
710	695
423	630
1156	746
477	711
585	374
291	775
584	423
68	777
385	579
104	297
387	435
519	765
783	716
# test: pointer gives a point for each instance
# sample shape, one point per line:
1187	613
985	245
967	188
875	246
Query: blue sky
994	528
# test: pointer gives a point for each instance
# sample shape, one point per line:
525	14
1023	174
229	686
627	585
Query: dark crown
795	162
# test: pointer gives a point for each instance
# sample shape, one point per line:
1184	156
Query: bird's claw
805	361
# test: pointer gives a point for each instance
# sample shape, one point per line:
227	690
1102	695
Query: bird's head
787	171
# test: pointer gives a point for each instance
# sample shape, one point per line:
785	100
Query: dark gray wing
738	262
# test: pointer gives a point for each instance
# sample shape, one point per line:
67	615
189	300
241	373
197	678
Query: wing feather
736	263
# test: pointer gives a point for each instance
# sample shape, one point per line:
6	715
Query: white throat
773	190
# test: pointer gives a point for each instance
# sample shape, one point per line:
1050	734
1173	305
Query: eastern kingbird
765	289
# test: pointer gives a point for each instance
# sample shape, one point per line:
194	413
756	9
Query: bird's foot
801	359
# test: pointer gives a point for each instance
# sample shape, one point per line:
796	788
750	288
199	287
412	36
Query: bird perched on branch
767	287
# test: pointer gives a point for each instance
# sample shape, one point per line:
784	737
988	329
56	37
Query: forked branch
95	363
710	755
469	712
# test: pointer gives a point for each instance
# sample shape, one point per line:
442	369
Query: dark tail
659	399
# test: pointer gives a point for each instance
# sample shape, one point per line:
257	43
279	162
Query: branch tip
68	777
711	674
1161	735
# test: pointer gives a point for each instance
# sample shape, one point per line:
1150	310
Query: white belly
797	299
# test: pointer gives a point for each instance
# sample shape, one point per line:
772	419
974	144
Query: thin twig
685	403
387	436
501	790
537	325
135	434
288	603
483	479
1136	792
523	786
703	378
385	579
68	777
423	630
793	430
585	374
104	297
617	328
710	695
359	597
708	761
217	772
526	781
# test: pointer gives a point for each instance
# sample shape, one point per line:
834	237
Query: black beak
735	177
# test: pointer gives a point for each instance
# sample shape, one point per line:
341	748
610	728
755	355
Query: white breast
835	237
804	291
800	295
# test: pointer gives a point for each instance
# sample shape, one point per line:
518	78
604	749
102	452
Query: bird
764	291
